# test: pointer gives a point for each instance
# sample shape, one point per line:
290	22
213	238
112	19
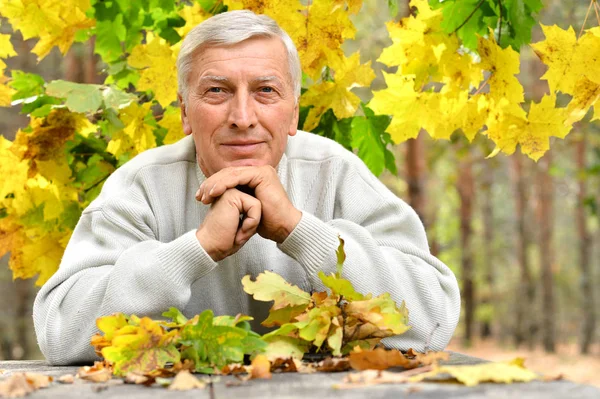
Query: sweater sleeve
112	264
386	251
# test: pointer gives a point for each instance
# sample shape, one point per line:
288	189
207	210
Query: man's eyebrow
262	79
214	78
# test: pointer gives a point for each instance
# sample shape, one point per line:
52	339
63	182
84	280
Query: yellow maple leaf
193	15
137	136
453	111
348	73
503	65
326	27
504	123
54	22
585	94
6	47
158	71
6	94
488	372
568	59
409	108
419	44
38	254
171	121
543	121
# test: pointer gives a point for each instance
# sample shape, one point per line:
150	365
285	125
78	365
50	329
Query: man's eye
215	90
266	89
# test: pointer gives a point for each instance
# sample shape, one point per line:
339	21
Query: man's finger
229	178
252	214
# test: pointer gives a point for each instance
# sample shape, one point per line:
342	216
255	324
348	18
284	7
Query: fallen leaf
507	373
16	386
185	381
426	359
332	364
379	359
285	365
260	367
375	377
233	369
66	379
96	373
38	381
556	377
135	378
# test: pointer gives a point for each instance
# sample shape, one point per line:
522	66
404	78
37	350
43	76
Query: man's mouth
242	147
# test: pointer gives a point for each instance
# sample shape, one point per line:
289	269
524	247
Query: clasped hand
269	213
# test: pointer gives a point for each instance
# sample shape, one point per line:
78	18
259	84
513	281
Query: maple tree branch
482	86
587	14
469	16
499	22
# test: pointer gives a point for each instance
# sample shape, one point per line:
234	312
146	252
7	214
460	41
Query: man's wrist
206	244
293	220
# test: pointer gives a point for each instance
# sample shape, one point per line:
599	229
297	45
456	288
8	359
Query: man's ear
295	118
185	123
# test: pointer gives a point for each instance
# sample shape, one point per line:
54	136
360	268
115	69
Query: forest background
497	222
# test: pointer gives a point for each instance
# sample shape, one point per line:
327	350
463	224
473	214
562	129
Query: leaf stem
587	14
470	15
482	85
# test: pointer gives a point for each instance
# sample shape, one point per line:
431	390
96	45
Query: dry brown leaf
556	377
185	381
66	379
233	369
21	384
99	372
285	365
430	358
334	364
260	367
375	377
379	359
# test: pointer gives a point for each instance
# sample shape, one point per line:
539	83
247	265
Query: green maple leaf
211	345
521	20
78	97
368	135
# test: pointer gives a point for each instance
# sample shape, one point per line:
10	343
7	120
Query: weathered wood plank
301	386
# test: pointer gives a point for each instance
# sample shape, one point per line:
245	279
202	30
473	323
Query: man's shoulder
152	162
181	151
312	147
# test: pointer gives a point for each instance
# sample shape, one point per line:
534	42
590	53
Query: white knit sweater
134	249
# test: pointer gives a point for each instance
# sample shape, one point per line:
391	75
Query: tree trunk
21	348
545	223
465	185
415	175
525	325
488	246
585	247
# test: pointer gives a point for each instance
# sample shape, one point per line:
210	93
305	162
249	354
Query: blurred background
523	238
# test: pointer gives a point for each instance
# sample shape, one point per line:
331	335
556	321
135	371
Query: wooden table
305	386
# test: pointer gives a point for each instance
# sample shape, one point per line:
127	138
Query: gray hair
231	28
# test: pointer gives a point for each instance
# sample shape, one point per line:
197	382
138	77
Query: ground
584	369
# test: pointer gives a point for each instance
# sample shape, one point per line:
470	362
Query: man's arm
115	263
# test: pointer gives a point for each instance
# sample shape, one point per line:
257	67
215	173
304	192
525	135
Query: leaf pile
334	322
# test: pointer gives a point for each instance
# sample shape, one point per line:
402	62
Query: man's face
240	106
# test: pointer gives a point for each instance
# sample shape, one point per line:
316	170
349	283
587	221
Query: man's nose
242	112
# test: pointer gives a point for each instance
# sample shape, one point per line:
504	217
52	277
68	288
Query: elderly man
245	192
